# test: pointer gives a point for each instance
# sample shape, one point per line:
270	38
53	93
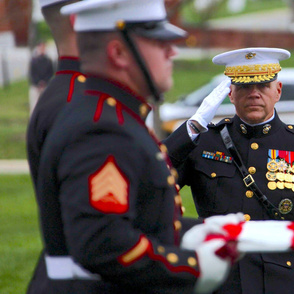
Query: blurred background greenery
220	9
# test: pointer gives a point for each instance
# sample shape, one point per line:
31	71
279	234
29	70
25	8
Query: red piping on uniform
150	252
99	107
291	227
172	268
119	107
69	58
74	74
120	258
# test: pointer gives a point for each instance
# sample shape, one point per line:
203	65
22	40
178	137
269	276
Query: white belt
63	267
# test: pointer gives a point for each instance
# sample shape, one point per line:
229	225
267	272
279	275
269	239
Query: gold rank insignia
135	252
109	188
285	206
266	128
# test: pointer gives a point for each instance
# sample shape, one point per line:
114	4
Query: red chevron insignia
109	188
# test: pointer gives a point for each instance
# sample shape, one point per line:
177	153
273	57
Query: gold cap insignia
250	55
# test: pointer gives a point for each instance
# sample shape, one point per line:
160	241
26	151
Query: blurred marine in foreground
109	209
58	92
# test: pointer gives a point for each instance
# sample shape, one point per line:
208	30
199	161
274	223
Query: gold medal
280	185
288	178
288	185
281	176
271	176
285	206
272	185
272	166
282	165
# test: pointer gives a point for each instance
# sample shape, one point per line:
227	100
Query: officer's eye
243	86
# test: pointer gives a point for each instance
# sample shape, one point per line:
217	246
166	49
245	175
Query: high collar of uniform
119	92
68	63
257	131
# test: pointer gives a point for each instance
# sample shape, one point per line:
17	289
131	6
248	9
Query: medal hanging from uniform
280	175
280	172
248	180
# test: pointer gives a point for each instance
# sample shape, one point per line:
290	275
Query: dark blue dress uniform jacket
218	189
58	93
100	145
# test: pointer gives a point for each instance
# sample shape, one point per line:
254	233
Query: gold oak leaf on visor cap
146	18
252	65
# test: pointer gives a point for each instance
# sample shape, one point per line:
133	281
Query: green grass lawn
14	114
20	240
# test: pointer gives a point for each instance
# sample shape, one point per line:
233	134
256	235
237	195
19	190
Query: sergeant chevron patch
109	188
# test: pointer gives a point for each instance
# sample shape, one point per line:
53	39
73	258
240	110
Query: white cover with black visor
146	18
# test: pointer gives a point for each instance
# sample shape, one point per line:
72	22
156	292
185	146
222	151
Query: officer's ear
279	90
230	94
118	54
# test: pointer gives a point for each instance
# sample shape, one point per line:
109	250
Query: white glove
210	104
212	225
213	269
215	256
195	237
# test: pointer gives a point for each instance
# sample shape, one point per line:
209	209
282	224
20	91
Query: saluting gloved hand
210	104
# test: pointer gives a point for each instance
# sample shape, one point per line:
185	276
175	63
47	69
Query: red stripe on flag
291	227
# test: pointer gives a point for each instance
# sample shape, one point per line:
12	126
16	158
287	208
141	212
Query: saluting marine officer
109	208
244	163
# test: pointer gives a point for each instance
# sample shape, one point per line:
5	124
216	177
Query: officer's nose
254	91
